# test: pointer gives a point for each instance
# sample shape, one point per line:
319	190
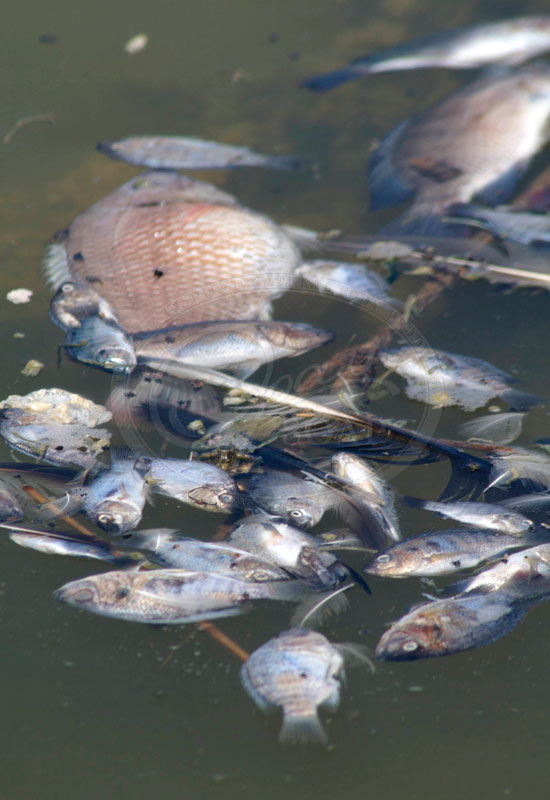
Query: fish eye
295	513
410	646
260	576
384	558
104	519
67	288
226	497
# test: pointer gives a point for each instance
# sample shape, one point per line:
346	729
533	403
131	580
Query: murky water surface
99	708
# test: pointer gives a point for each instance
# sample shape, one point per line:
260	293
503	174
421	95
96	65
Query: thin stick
211	629
28	120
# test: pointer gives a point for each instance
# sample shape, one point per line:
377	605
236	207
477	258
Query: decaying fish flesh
487	516
301	502
194	482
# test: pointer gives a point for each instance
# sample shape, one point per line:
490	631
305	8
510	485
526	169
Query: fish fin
329	80
413	502
358	579
307	240
469	479
55	265
315	611
61	507
502	190
385	186
302	729
521	401
356	655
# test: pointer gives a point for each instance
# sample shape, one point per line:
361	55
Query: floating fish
442	553
487	516
465	147
54	544
101	343
164	596
524	227
115	500
187	152
11	509
193	482
352	281
373	492
301	502
451	625
166	250
510	41
520	576
531	467
75	302
500	428
445	379
298	671
241	347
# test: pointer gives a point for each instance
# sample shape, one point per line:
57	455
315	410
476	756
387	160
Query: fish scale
150	248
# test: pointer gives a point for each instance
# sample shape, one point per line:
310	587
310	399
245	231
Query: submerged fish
169	549
241	347
524	227
451	625
487	516
11	509
442	553
475	143
289	548
352	281
193	482
298	671
187	152
303	503
115	500
166	250
368	487
510	41
101	343
446	379
164	596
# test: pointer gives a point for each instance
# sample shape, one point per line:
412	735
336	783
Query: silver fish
368	487
301	502
462	148
163	596
487	516
446	379
524	227
187	152
193	482
115	500
510	41
11	509
74	302
352	281
241	347
521	576
167	250
289	548
169	549
441	553
51	544
101	343
298	671
451	625
529	466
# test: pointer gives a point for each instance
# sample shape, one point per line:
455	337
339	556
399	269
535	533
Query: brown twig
209	627
28	120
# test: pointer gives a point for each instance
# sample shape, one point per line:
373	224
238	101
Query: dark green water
99	708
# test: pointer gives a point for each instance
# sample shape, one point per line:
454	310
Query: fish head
101	343
116	516
295	337
98	593
415	637
395	562
215	497
301	512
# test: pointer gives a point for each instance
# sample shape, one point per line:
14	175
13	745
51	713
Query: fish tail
329	80
291	163
521	401
302	726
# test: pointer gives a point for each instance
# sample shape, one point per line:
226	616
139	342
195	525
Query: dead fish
446	379
451	625
301	502
298	671
166	250
531	467
187	152
11	509
169	549
74	302
272	539
367	486
115	500
524	227
240	347
519	576
193	482
56	443
487	516
51	544
463	148
352	281
163	596
442	553
510	41
101	343
500	428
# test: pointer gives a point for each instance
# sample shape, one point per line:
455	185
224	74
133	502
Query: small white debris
18	296
136	44
18	335
32	368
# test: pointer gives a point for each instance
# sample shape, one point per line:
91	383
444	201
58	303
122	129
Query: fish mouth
77	593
